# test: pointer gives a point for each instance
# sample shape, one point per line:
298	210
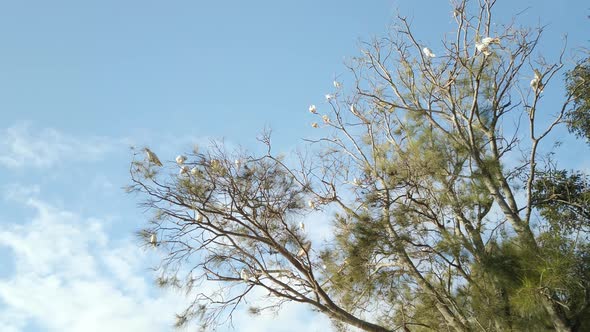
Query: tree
446	218
578	118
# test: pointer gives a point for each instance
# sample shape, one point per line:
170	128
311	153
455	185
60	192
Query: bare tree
431	165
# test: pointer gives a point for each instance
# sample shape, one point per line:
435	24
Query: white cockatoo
183	170
337	85
536	83
195	171
356	182
329	97
311	204
304	249
490	40
198	217
483	48
428	53
314	124
313	109
154	240
302	226
245	275
326	119
238	163
180	159
152	158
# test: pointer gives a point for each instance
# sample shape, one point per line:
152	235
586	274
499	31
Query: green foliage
578	86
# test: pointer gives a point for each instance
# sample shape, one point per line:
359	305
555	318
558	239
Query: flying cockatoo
154	240
152	158
304	249
313	109
427	52
180	159
536	82
245	275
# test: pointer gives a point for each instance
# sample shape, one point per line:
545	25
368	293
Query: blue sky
81	81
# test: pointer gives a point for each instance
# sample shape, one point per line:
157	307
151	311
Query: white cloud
21	145
69	277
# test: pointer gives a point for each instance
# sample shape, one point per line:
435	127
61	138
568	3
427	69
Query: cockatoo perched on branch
490	40
180	159
304	249
428	53
484	45
245	275
154	240
198	217
313	109
152	158
302	226
536	83
483	48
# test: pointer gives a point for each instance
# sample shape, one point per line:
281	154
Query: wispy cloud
22	145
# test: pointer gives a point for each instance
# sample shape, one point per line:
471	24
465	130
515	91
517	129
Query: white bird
329	97
245	275
314	124
428	52
326	119
180	159
302	226
311	204
152	158
536	82
198	217
238	163
304	249
154	240
313	109
337	85
356	182
490	40
195	171
183	170
483	48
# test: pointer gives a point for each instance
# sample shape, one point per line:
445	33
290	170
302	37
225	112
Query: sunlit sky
82	81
